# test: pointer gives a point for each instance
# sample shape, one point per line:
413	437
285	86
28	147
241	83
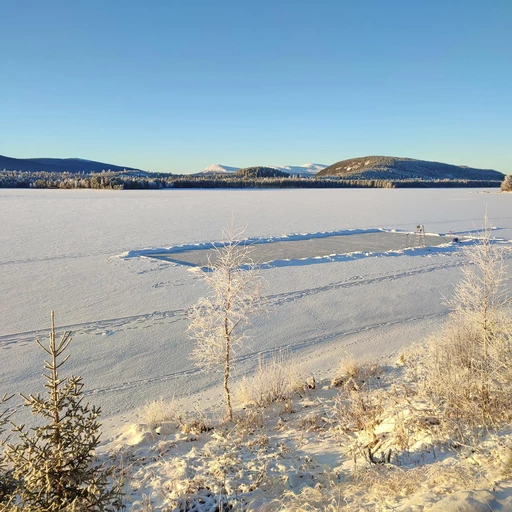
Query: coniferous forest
131	180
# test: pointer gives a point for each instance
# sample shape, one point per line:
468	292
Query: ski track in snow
45	233
145	320
98	326
281	298
312	342
59	257
254	356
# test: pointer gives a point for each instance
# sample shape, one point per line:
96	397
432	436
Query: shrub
506	186
468	367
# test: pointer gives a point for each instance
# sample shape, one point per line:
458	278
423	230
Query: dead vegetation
276	380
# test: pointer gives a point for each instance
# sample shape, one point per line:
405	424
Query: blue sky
175	85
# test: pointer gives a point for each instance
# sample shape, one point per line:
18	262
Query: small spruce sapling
54	464
219	322
6	481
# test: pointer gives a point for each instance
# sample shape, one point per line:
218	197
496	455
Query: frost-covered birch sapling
480	296
219	321
470	360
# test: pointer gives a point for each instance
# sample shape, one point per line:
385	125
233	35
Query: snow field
58	251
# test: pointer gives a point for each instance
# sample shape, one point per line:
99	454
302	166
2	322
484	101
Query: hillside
261	172
389	167
73	165
301	170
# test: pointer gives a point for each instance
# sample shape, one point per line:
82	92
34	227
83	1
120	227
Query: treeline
313	182
413	183
292	182
123	180
130	180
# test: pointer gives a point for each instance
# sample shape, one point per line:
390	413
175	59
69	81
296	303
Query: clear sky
176	85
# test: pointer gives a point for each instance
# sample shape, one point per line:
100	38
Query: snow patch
220	169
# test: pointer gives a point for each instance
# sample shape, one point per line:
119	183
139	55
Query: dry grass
310	499
162	414
311	422
382	482
378	487
359	408
196	423
386	463
160	411
249	420
356	372
276	380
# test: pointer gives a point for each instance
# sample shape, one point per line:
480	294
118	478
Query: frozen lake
63	250
309	247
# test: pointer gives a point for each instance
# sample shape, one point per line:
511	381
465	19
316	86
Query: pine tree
54	464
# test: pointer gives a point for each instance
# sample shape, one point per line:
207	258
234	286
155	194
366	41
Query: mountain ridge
72	165
393	168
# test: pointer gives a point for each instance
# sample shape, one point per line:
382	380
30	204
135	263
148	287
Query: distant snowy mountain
219	169
303	170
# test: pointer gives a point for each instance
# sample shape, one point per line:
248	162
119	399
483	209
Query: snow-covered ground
60	250
219	169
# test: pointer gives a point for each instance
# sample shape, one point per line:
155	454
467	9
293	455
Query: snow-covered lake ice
66	251
300	249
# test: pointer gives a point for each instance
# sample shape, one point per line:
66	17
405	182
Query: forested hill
395	168
73	165
261	172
